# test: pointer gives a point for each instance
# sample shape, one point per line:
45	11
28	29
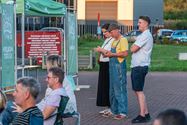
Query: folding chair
60	115
73	115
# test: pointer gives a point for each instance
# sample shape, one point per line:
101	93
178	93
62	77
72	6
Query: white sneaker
104	111
107	114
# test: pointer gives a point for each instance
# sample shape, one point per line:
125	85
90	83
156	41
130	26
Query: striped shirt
24	117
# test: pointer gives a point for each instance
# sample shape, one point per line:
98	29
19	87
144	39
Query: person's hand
98	49
17	108
108	54
95	49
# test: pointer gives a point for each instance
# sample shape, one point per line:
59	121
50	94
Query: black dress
103	85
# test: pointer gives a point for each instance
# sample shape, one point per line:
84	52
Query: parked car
179	36
163	33
132	35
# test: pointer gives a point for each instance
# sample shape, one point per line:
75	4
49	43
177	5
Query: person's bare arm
119	54
134	48
48	111
100	50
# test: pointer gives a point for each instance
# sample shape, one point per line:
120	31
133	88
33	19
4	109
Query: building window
68	3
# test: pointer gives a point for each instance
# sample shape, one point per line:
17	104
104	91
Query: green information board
71	37
8	50
19	4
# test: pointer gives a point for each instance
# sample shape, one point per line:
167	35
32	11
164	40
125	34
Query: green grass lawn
164	57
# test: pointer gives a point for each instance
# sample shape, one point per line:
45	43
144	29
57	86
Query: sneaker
139	119
120	117
148	117
107	114
105	111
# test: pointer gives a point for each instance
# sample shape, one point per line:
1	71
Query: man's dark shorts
138	77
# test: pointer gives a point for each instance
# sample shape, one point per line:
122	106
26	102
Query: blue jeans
118	86
8	115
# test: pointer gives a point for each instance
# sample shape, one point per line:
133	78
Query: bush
165	40
162	40
88	37
175	14
183	43
175	24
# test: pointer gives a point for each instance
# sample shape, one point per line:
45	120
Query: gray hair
31	84
113	26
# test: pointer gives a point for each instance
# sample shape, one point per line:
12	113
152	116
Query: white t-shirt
143	56
107	46
51	99
71	105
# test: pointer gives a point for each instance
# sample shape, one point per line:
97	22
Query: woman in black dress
103	81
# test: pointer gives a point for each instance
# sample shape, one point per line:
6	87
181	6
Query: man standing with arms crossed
141	57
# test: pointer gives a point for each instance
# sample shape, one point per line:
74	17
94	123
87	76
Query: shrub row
175	24
167	41
174	14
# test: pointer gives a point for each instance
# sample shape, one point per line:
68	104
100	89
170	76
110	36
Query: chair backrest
72	115
60	115
61	108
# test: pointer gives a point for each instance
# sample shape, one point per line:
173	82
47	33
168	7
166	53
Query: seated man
55	61
25	94
51	101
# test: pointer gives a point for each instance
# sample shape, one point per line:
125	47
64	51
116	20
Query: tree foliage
175	9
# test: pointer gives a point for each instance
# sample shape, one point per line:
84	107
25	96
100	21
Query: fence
87	62
36	23
92	29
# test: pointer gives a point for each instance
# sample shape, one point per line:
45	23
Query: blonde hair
53	61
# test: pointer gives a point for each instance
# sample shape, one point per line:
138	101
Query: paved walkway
163	90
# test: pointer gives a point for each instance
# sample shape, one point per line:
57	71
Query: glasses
48	77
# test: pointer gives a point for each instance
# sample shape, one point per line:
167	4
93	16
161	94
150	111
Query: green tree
175	9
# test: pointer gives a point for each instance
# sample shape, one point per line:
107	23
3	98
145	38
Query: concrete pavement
163	89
